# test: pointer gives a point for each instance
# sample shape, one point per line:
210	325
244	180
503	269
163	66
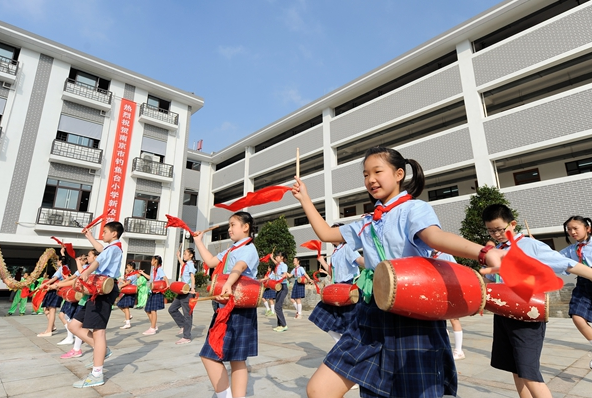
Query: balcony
150	170
140	228
162	118
8	69
76	155
87	95
61	220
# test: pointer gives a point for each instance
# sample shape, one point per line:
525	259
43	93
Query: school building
504	99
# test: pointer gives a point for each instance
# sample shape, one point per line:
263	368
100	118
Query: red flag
192	303
265	258
25	292
38	299
218	330
68	246
313	245
94	222
526	275
176	222
264	195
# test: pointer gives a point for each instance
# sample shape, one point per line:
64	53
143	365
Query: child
155	299
580	305
280	273
187	275
299	289
128	300
517	345
95	313
34	288
19	301
268	295
240	340
142	291
52	301
387	354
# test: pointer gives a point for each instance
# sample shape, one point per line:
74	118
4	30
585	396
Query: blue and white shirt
188	268
281	269
343	263
110	260
247	253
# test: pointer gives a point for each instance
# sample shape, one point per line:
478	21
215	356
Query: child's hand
299	190
198	236
226	291
493	261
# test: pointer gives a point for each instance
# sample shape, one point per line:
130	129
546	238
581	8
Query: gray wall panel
3	92
302	235
190	216
230	174
129	91
148	186
451	214
441	151
141	246
348	177
70	173
83	112
155	132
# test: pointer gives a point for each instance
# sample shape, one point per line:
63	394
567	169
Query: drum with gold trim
102	283
69	294
129	289
501	300
340	294
247	292
158	286
180	287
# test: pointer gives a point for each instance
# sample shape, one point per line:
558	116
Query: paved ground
153	366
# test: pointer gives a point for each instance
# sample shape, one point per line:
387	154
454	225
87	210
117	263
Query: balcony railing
8	65
63	218
159	114
88	91
144	226
150	167
74	151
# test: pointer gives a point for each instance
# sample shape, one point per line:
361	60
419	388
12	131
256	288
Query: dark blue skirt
155	302
581	299
240	340
128	301
269	294
394	356
51	300
332	318
298	291
69	309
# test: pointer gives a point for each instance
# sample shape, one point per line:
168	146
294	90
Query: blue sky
252	61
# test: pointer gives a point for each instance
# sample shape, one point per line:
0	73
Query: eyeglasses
497	231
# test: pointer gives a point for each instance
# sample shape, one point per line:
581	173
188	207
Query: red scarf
220	267
579	250
380	210
154	273
505	244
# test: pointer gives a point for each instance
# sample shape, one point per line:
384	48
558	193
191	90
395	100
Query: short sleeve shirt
247	253
343	262
188	269
110	260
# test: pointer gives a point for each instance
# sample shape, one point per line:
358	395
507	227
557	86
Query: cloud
292	95
229	52
296	19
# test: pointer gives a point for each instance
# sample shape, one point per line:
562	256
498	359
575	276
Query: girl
127	301
52	301
155	300
580	305
268	295
187	275
390	355
240	340
280	273
299	289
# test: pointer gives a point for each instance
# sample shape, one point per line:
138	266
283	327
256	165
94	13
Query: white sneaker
126	326
67	340
458	355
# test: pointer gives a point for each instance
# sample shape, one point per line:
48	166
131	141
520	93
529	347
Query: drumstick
210	298
206	230
298	162
528	229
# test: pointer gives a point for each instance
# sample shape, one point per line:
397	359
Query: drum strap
366	277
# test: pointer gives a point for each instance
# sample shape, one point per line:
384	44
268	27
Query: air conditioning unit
150	156
92	171
103	113
6	85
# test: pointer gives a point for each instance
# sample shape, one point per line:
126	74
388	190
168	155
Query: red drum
102	283
159	287
302	279
69	294
501	300
247	292
129	289
428	288
340	294
273	285
180	287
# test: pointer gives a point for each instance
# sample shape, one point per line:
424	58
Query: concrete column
205	198
329	162
249	184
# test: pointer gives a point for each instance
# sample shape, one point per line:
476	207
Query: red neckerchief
505	244
220	266
183	269
380	210
267	274
65	271
154	273
132	273
579	250
435	253
116	244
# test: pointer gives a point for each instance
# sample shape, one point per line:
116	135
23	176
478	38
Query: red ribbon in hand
265	195
218	330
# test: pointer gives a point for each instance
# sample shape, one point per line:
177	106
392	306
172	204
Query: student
142	291
280	272
517	345
387	354
299	289
268	295
34	288
187	275
52	301
155	299
580	305
128	301
240	340
19	301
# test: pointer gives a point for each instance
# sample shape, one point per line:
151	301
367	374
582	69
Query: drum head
354	296
384	285
108	285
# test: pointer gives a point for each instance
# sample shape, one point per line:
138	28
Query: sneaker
267	313
355	387
90	381
590	364
183	341
281	329
108	353
48	334
458	355
298	316
72	354
21	314
67	340
126	326
149	332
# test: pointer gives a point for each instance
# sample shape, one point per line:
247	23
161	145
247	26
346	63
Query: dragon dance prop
49	256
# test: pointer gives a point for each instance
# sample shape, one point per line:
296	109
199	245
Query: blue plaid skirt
240	340
51	300
298	291
269	294
581	299
155	302
69	309
394	356
129	300
332	318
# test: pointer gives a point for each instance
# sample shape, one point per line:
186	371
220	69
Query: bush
169	295
275	236
201	279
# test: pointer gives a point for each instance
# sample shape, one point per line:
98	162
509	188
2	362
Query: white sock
266	305
336	336
77	343
97	371
295	306
127	321
224	394
70	335
299	309
273	309
458	337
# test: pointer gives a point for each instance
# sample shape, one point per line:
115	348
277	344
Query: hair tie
406	161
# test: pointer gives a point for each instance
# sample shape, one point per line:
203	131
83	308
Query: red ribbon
218	330
313	245
262	196
176	222
380	210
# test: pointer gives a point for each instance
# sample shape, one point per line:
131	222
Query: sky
253	61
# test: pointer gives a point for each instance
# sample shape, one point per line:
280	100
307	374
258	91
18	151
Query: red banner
119	162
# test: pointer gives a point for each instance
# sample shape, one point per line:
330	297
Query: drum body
247	292
428	288
340	294
180	287
158	287
273	285
69	294
102	283
129	289
302	279
501	300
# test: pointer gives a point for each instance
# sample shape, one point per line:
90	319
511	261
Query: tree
275	236
472	227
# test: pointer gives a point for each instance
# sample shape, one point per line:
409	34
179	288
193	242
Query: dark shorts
155	302
69	309
517	347
95	314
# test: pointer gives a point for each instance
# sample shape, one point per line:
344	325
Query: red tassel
176	222
94	222
260	197
313	245
68	246
38	299
218	330
265	258
192	303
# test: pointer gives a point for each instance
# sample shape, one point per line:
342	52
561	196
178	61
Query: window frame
83	194
529	181
146	209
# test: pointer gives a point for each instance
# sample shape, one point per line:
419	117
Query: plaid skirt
298	291
51	300
240	340
155	302
581	299
394	356
269	294
69	309
129	300
332	318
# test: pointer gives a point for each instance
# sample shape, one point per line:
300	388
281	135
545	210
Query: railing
8	65
0	132
74	151
63	218
88	91
144	226
160	114
151	167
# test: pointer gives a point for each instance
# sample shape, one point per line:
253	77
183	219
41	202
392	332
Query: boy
19	301
95	314
517	345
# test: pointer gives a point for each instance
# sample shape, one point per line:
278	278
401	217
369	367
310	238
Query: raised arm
95	243
207	257
325	266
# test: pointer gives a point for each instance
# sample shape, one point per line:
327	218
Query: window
349	211
368	208
9	52
527	176
146	206
66	195
158	103
220	234
232	192
189	199
77	139
88	80
579	166
442	193
301	221
305	264
193	165
143	261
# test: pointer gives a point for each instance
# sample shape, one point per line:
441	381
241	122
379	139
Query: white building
60	114
503	99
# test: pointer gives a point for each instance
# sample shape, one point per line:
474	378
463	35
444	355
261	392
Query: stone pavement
153	366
